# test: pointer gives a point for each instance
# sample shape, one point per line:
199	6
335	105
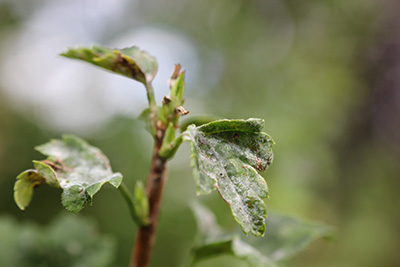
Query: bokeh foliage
304	66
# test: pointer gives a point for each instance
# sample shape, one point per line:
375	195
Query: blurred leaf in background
323	74
68	241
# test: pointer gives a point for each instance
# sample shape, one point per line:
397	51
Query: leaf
138	203
207	225
196	120
23	188
212	241
68	240
130	62
226	155
178	88
170	145
73	165
287	236
172	108
141	204
235	247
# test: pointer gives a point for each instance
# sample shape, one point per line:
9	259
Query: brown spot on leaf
57	165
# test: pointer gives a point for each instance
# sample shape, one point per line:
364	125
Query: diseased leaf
213	241
287	236
130	62
207	225
73	165
196	120
226	155
235	247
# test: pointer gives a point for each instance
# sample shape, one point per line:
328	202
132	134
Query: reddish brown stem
155	183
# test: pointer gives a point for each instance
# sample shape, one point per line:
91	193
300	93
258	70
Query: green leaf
141	204
207	225
287	236
196	120
212	241
130	62
178	88
138	203
170	145
23	188
233	246
73	165
68	240
226	155
146	117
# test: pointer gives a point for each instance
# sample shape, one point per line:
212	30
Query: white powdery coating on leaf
218	161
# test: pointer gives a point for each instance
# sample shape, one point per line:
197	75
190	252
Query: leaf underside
73	165
226	156
130	62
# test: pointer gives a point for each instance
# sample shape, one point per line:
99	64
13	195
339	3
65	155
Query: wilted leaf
130	62
73	165
226	155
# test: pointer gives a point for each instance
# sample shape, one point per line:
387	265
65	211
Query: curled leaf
130	62
73	165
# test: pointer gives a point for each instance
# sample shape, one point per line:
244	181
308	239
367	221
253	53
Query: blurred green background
323	74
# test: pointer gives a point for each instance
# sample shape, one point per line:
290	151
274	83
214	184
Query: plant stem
153	107
155	183
150	96
126	194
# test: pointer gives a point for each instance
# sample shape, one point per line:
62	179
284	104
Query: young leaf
138	203
23	188
172	108
170	145
141	204
73	165
130	62
226	155
178	88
